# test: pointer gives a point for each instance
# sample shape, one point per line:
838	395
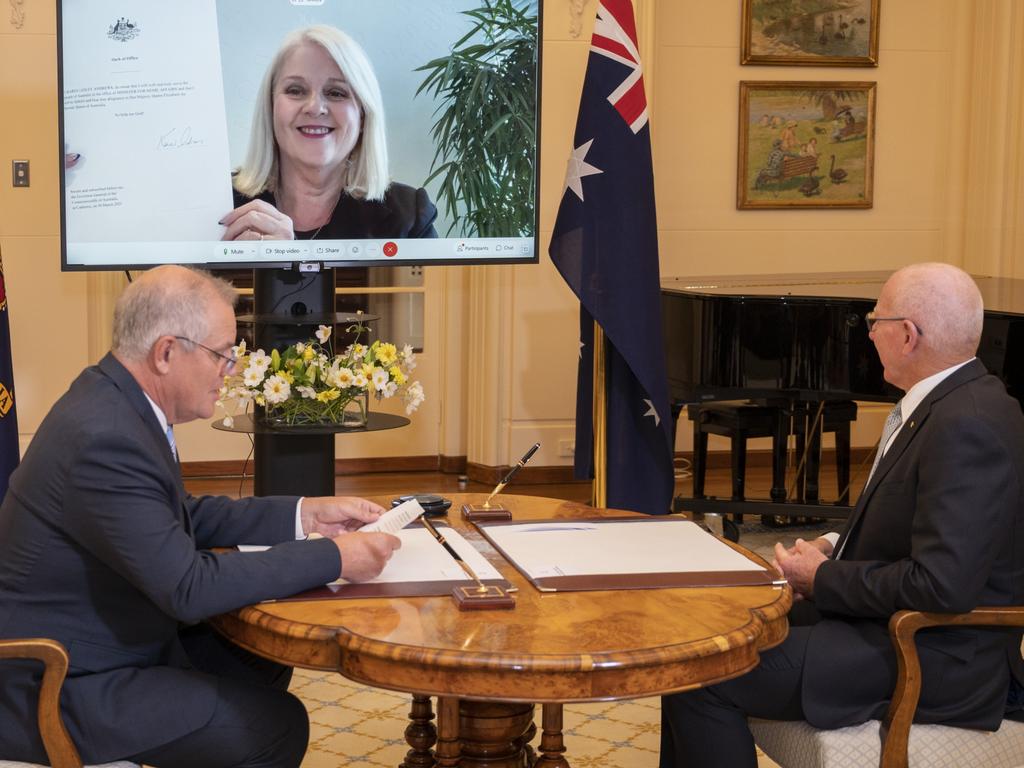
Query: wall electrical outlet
567	448
19	173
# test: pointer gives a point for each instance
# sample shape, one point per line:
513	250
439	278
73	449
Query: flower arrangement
308	384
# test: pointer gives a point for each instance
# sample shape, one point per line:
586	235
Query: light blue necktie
170	441
891	425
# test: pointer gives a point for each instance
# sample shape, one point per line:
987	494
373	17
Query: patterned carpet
360	727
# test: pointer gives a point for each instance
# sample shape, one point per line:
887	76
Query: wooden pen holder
476	513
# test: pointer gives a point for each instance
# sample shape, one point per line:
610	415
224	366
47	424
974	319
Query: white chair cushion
12	764
799	745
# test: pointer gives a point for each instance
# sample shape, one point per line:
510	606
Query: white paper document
580	548
422	558
143	101
395	518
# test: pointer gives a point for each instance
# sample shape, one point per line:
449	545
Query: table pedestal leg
448	749
420	734
484	734
551	744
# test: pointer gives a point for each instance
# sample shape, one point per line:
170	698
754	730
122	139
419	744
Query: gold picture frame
806	144
801	33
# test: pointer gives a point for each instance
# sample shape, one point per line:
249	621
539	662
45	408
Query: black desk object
802	339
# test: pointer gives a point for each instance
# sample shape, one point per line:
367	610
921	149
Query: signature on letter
177	138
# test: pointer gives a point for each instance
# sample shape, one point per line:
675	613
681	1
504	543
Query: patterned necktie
891	425
170	441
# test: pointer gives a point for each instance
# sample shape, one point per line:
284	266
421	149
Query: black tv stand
288	306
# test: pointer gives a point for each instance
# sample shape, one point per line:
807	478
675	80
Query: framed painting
810	33
806	144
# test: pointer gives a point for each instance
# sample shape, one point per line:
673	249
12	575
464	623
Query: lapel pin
912	424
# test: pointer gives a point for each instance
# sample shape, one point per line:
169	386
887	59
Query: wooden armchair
892	743
59	748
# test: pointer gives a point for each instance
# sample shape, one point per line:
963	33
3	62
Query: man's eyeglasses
871	319
229	361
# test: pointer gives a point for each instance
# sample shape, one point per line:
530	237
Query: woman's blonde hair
366	173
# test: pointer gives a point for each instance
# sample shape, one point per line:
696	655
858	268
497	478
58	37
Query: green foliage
484	132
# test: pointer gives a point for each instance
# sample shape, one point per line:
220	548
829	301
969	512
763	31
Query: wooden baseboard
488	475
453	465
482	473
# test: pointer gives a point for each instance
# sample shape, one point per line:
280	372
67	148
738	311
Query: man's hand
331	516
364	555
800	563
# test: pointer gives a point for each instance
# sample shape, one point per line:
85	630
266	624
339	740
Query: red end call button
390	249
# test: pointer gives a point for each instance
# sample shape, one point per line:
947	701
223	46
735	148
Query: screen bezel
533	258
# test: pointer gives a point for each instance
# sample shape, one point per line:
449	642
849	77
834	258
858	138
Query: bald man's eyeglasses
871	319
227	361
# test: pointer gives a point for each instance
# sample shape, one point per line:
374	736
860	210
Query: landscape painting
806	144
814	33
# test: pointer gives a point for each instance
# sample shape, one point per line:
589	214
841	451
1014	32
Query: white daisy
276	389
380	379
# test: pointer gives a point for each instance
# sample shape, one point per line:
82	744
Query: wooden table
489	668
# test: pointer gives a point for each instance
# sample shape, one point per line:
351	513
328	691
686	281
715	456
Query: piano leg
739	463
700	459
801	473
813	464
780	446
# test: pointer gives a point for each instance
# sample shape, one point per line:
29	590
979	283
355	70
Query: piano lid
1002	295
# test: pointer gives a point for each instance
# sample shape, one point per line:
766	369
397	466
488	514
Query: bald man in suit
939	527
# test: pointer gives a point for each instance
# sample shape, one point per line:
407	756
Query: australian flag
8	420
605	244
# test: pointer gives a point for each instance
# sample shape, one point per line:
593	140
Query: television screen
265	133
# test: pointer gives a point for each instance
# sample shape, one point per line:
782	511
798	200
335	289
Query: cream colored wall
501	367
48	310
949	175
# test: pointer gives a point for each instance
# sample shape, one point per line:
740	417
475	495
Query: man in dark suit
102	549
939	527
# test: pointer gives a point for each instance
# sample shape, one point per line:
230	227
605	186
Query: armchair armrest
903	626
59	747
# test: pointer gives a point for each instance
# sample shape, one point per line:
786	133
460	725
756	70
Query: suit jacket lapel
911	427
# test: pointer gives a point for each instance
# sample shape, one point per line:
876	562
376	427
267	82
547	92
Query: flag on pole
8	421
605	244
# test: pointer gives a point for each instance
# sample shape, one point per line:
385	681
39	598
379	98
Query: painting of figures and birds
806	144
818	33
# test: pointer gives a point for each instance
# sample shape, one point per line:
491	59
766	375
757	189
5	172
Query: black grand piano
802	340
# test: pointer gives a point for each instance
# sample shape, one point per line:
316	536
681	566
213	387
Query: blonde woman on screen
317	164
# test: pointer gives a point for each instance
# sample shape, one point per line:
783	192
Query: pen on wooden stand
451	551
511	474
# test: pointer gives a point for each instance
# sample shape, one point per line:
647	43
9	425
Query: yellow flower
397	376
328	395
387	354
367	370
287	376
308	354
260	400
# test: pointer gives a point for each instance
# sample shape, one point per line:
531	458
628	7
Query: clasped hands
257	220
339	518
800	563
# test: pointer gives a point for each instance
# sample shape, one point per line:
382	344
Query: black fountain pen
511	474
451	551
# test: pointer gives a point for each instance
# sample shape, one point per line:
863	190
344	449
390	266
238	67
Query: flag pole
600	420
